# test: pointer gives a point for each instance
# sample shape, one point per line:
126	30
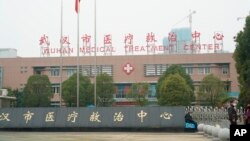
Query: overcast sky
23	22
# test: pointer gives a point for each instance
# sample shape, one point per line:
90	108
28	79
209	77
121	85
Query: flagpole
95	52
78	57
61	54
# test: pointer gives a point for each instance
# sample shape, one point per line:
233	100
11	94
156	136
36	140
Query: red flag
77	6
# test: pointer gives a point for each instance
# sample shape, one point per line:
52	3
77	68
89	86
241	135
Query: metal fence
213	116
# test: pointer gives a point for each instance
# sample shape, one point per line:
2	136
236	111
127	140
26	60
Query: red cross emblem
128	68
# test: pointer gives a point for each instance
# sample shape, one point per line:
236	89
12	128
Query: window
154	69
86	70
55	88
89	70
71	71
188	68
107	69
207	70
150	70
23	70
201	70
152	91
120	91
94	71
38	70
225	69
204	69
54	71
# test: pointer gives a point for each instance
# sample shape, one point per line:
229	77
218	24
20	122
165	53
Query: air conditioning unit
3	92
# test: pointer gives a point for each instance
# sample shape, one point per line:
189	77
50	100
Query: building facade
177	40
125	70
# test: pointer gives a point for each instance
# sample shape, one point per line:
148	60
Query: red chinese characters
86	40
44	40
196	35
150	38
218	36
107	40
65	41
129	39
172	37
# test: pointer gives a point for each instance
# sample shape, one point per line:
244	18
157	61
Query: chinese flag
77	6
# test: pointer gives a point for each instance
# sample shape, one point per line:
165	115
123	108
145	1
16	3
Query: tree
175	91
19	99
173	69
37	92
69	91
212	90
242	58
105	90
138	93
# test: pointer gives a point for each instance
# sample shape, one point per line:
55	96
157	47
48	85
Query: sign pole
61	60
78	58
95	53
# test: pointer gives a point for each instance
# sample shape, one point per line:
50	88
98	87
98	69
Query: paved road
100	136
